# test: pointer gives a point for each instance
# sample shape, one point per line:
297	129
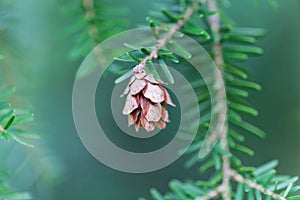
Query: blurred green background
60	167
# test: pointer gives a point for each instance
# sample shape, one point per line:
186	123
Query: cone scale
146	101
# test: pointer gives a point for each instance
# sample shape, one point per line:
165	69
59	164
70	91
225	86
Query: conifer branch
90	14
228	173
239	178
214	22
212	194
163	41
229	45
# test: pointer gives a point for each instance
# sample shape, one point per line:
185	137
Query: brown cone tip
146	101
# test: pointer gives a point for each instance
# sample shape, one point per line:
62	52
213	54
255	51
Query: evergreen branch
93	22
226	165
212	194
90	14
180	23
228	174
11	120
214	22
239	178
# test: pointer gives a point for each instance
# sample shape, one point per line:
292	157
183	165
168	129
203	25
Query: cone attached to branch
146	101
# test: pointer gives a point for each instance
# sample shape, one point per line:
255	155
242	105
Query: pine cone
146	101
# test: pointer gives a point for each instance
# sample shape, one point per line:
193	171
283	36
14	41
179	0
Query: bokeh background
60	167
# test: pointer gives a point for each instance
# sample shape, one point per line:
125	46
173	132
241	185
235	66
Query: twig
90	14
228	173
239	178
162	42
212	194
214	22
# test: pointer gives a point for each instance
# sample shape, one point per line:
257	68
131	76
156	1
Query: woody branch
163	41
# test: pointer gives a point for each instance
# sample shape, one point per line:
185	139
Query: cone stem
163	41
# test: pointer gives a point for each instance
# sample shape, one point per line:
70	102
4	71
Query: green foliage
92	22
265	175
12	120
161	23
8	194
238	44
12	123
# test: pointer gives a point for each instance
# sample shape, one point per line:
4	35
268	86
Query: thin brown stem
212	194
90	14
163	41
228	173
239	178
214	22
